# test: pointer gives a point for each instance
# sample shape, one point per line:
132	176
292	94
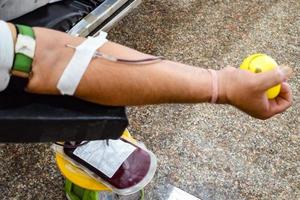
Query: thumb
274	77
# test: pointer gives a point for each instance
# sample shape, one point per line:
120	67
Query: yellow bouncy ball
257	63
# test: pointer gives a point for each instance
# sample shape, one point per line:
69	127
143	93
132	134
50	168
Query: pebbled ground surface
210	151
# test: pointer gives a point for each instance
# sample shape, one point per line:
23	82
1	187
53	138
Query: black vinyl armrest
42	118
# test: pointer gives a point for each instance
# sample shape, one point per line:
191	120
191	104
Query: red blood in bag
130	173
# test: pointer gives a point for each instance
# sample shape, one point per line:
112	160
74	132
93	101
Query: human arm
113	83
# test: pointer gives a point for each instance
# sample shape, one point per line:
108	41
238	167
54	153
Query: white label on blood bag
106	158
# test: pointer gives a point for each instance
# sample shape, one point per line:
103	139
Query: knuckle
289	104
278	77
252	84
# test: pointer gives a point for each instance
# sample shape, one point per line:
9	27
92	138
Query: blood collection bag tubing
84	53
111	58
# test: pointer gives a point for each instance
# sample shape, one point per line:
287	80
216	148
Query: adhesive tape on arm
77	66
25	45
6	54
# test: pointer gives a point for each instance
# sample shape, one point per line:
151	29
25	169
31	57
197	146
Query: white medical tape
6	54
77	66
25	45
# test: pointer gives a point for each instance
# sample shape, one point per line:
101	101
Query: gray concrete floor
210	151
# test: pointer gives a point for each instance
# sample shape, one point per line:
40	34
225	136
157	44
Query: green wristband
22	62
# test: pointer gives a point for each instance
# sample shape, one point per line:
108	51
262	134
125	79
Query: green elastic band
22	62
25	30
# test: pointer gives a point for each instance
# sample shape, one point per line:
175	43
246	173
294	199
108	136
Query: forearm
163	82
113	83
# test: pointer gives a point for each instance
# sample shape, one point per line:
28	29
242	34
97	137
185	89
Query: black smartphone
130	173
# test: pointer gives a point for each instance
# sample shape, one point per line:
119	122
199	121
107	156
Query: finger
283	100
287	71
269	79
285	91
274	77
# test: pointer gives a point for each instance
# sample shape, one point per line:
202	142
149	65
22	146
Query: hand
246	91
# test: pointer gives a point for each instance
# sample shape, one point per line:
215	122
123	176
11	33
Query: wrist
223	82
214	91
